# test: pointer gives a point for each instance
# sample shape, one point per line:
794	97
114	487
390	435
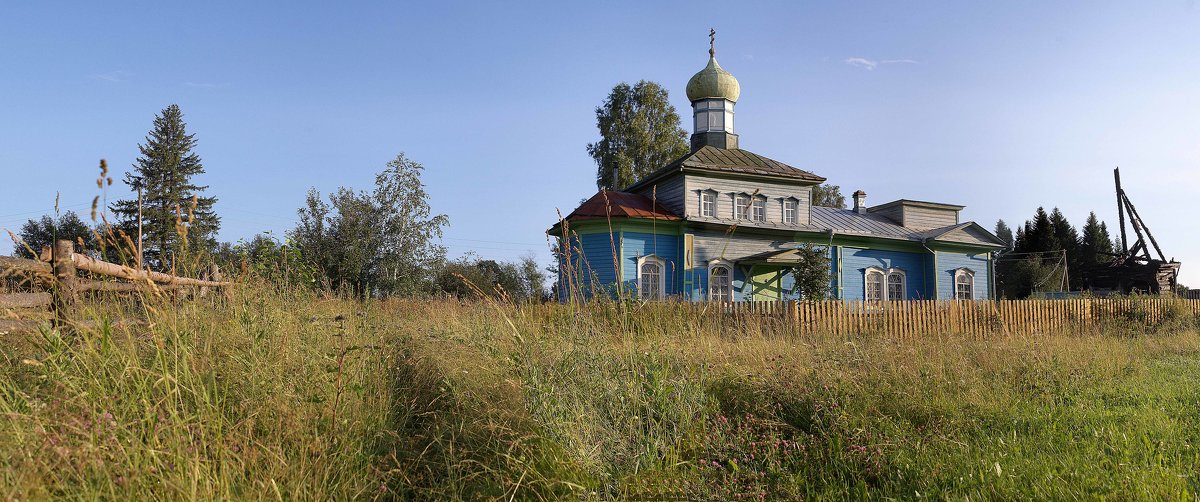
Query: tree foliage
519	282
812	272
174	211
1096	246
827	195
379	242
1005	234
1048	251
279	263
38	234
639	133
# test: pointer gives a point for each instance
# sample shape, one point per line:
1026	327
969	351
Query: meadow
276	393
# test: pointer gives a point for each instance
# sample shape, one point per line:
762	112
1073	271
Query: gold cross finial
712	42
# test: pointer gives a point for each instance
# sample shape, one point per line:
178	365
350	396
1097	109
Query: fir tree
1095	245
164	173
1067	239
1005	234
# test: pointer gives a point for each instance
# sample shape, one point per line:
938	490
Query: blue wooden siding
949	262
699	292
635	245
855	262
592	259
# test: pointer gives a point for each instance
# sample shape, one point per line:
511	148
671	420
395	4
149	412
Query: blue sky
1000	106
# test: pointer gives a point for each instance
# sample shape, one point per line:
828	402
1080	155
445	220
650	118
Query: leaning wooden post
66	287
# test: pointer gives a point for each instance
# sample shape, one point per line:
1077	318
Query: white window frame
712	199
741	206
790	216
885	276
728	266
758	208
970	275
662	277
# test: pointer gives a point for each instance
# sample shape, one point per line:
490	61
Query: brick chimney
860	202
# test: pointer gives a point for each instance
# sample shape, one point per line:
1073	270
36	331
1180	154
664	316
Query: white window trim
744	209
715	197
755	199
784	210
887	272
714	263
662	275
959	272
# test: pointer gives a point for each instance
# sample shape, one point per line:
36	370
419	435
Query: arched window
651	278
884	284
964	284
874	291
720	282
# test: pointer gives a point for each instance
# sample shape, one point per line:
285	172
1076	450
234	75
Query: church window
885	285
650	278
964	284
708	204
720	282
789	210
741	207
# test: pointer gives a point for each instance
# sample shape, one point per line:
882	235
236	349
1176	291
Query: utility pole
139	249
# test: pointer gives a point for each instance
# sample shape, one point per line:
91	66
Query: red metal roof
607	204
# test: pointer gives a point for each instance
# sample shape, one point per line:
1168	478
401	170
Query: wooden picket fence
915	318
58	286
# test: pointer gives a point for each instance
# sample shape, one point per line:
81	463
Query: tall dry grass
274	393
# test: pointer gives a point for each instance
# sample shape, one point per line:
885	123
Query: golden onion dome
713	82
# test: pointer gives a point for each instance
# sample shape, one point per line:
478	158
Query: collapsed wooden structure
56	275
1133	268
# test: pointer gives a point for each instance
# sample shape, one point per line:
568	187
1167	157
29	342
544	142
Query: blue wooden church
724	224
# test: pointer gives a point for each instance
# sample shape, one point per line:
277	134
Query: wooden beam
65	276
84	262
25	300
23	265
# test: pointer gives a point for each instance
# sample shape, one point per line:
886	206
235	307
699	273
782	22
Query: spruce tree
1005	234
164	172
1095	245
1067	239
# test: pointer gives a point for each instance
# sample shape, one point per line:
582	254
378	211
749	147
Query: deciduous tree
827	195
639	133
379	242
37	234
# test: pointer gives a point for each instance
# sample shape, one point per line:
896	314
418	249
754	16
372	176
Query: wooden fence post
66	285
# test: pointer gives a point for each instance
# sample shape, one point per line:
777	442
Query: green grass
265	395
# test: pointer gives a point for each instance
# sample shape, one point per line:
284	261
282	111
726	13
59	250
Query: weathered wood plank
84	262
25	300
23	265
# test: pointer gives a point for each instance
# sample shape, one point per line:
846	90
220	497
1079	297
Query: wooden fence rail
924	318
1003	317
61	274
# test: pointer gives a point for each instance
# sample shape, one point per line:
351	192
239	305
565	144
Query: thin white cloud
871	64
112	76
